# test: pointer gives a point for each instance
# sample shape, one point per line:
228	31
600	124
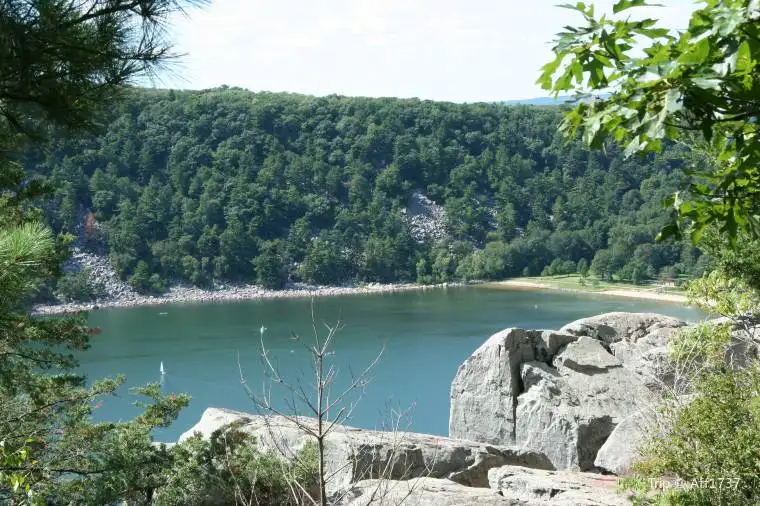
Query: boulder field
544	417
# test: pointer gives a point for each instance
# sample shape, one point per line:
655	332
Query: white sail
162	369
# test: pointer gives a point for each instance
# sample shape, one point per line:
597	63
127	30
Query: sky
453	50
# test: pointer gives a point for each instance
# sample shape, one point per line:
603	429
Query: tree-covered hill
230	185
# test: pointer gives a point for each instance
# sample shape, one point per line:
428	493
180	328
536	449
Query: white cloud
437	49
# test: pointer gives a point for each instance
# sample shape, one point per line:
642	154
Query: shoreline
630	293
194	295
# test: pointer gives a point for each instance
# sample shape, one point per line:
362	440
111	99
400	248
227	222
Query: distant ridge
540	101
562	99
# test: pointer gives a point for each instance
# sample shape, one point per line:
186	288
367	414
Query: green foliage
582	267
490	263
697	85
79	286
269	266
145	282
60	61
701	346
229	469
707	448
18	484
230	186
740	262
559	268
719	294
325	262
713	447
604	264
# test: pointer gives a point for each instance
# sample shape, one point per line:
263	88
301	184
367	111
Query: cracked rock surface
355	454
561	393
533	486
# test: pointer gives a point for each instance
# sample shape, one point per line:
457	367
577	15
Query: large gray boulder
622	448
620	326
561	393
537	487
745	339
569	416
510	485
485	389
355	454
638	340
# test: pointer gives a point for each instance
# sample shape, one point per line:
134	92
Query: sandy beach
643	293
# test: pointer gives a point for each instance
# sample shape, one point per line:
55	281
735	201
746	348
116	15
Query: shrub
230	469
79	286
583	267
706	451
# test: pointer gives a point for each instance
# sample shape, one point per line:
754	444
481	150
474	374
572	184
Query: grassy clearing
572	282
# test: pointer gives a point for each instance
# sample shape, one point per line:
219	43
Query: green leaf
548	70
744	61
622	5
707	129
580	7
597	79
577	71
698	53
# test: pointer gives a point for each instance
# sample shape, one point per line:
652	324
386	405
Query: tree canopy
226	185
697	88
653	85
59	61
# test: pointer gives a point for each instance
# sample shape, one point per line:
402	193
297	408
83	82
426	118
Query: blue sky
457	50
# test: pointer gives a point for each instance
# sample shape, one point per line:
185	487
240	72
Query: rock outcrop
510	486
358	454
638	340
101	272
568	417
620	326
532	486
426	219
622	448
485	389
561	393
420	492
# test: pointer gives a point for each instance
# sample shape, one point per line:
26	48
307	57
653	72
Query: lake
424	337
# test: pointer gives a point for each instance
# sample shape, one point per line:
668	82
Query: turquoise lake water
424	337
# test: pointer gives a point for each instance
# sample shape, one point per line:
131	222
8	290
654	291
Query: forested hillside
227	185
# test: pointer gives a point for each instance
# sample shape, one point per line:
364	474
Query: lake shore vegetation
227	186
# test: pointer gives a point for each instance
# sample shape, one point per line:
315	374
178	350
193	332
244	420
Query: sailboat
163	371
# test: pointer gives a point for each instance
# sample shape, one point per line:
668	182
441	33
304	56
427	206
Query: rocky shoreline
119	294
189	294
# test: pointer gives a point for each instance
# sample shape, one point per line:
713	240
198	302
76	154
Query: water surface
424	337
